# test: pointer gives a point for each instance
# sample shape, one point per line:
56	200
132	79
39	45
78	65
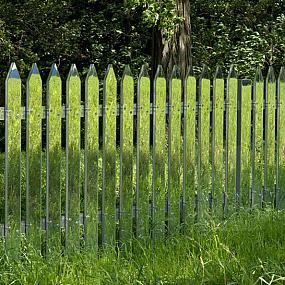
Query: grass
248	248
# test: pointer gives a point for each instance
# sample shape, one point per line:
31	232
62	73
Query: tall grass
247	248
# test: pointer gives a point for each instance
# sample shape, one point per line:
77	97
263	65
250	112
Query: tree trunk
157	49
177	50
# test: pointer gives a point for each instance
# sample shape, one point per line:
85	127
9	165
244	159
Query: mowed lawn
247	248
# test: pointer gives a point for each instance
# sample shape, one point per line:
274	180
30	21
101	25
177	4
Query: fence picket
159	154
189	145
143	155
12	228
244	191
218	173
109	158
231	141
72	210
53	163
126	155
91	156
270	167
257	140
281	140
34	158
174	152
204	167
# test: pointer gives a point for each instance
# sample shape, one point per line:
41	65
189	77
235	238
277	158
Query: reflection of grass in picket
2	187
246	249
63	177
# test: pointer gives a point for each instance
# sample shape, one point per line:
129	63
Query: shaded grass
248	248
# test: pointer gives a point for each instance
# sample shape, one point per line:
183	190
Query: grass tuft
247	248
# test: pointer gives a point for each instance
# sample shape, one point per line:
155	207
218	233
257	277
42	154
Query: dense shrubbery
246	33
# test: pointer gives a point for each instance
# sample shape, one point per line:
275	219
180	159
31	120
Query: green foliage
161	13
244	33
68	32
119	32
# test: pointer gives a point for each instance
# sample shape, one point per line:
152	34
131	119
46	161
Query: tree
171	32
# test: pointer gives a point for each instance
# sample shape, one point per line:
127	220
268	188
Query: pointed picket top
175	74
270	75
127	71
205	72
13	71
91	71
232	72
258	75
110	72
53	71
218	73
34	71
159	72
281	76
144	71
73	72
190	72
